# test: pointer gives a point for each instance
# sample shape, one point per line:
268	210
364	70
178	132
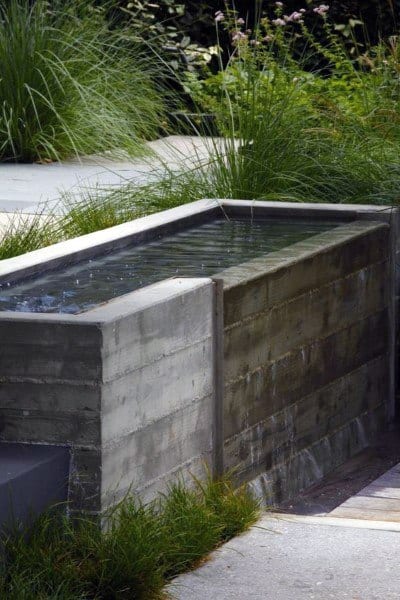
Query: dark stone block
32	478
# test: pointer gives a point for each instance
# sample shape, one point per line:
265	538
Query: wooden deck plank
380	491
392	475
370	515
378	501
392	483
336	521
393	480
372	503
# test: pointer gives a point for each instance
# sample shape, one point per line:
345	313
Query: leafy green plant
181	29
69	84
140	548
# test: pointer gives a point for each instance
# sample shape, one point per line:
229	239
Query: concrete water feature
281	367
197	250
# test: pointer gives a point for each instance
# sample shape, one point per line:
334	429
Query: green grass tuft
191	526
70	85
140	549
25	233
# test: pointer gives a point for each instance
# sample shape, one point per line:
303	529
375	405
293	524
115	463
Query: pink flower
279	4
295	16
237	36
268	38
219	16
302	11
240	21
322	9
255	42
279	22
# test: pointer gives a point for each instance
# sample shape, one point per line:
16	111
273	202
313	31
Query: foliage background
195	18
183	32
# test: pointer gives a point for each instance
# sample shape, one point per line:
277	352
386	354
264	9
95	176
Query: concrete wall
157	395
129	386
306	357
50	390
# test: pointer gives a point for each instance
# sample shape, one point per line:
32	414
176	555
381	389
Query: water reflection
202	250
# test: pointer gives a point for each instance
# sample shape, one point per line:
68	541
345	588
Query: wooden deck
378	501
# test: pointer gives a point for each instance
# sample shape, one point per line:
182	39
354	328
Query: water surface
201	250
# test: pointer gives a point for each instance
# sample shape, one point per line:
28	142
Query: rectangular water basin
249	335
200	250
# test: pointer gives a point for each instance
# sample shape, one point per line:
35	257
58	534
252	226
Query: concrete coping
144	228
89	245
119	307
295	253
158	292
312	209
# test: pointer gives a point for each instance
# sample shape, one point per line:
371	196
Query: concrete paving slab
23	187
288	560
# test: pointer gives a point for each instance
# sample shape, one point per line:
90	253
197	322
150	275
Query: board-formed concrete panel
128	386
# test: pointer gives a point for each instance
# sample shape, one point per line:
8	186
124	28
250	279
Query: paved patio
351	552
26	187
285	559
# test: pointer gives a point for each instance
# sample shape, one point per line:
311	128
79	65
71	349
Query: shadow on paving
295	558
348	479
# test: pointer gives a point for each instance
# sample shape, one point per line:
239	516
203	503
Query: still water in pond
201	250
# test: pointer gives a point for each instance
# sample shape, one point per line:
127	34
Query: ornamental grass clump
71	85
139	550
300	117
25	233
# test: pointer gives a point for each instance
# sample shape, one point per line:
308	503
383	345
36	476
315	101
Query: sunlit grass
140	549
25	233
69	85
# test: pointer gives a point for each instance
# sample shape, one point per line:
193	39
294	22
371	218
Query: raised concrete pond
280	367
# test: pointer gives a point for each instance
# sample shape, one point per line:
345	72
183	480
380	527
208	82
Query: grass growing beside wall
70	85
141	549
97	210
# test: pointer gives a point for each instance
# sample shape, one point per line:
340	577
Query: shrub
70	85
